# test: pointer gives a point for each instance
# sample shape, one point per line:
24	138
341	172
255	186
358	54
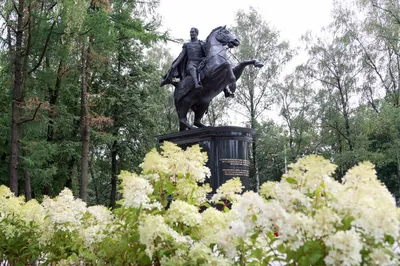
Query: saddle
200	69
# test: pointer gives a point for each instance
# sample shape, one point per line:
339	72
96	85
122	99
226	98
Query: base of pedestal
227	149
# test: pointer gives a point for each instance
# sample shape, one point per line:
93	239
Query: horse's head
225	37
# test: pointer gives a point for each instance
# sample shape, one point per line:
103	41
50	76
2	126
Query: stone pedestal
227	149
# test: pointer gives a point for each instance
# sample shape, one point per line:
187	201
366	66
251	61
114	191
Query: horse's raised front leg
238	70
231	79
217	70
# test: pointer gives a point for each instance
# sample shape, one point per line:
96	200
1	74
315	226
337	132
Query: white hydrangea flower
201	254
136	190
252	205
64	211
32	211
229	190
362	197
187	188
190	161
101	214
249	215
291	198
344	249
326	221
227	242
97	226
182	212
174	161
238	228
218	261
309	172
381	257
196	161
9	231
154	162
9	204
296	229
199	251
155	233
212	222
268	189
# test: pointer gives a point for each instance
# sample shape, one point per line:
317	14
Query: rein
211	56
234	56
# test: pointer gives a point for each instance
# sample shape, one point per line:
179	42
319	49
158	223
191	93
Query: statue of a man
186	63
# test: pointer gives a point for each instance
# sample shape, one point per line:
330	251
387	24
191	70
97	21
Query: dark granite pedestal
227	149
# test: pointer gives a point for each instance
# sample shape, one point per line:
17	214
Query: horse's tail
183	88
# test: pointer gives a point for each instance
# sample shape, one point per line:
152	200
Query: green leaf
390	239
346	221
291	180
257	253
314	257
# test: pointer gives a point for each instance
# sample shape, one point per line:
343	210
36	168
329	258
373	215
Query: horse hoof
199	124
228	94
183	125
258	64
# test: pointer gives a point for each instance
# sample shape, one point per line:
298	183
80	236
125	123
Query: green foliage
306	219
123	96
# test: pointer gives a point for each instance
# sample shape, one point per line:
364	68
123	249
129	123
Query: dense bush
306	219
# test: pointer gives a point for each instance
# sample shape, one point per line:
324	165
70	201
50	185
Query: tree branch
44	50
33	117
52	6
16	8
388	11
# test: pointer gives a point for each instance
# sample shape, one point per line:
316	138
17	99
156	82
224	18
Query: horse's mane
214	30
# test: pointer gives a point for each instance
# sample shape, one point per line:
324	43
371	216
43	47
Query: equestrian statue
204	71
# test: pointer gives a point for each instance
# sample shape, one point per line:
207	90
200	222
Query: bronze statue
206	79
193	52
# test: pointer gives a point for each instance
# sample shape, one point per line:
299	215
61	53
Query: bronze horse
216	74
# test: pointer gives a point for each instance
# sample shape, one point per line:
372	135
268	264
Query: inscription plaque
227	149
232	167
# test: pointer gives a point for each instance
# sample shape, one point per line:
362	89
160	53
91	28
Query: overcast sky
292	18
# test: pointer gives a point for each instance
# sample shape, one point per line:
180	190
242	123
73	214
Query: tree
126	101
217	113
29	28
258	40
63	118
18	13
295	96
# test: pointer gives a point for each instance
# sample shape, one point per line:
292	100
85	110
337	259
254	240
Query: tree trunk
53	99
114	173
254	148
47	190
17	100
28	192
96	190
114	150
85	133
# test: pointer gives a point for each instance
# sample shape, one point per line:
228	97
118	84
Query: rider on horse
217	75
188	61
192	54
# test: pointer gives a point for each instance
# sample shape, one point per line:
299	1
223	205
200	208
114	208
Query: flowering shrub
165	218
